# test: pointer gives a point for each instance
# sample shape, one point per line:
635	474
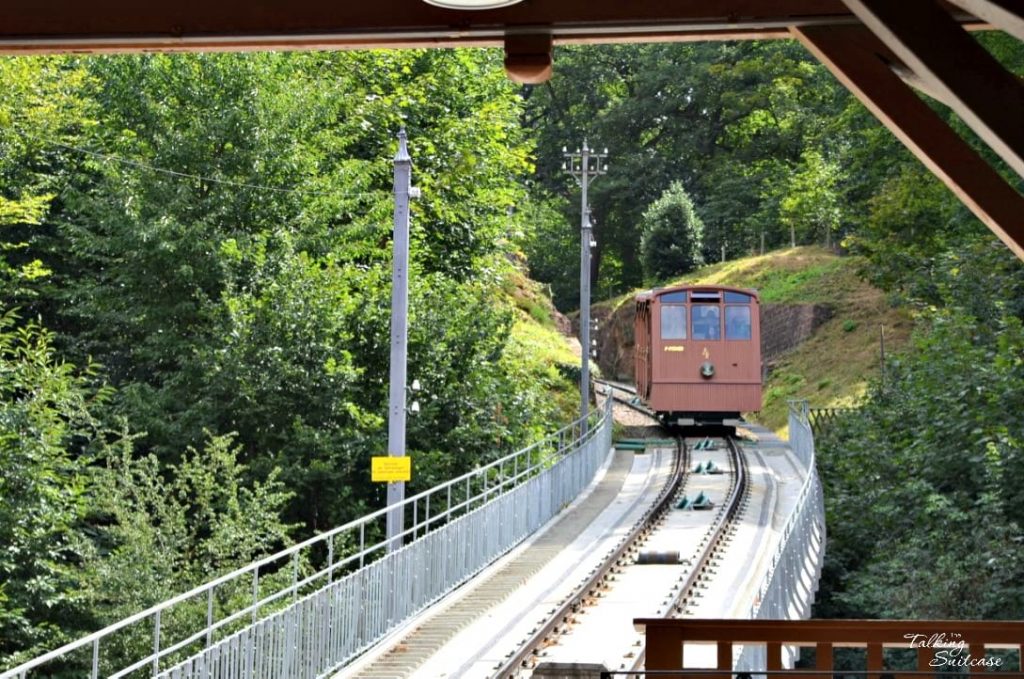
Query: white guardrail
788	589
281	618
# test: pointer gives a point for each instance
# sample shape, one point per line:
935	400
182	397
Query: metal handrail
525	463
801	544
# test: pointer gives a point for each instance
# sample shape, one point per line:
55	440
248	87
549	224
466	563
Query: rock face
783	327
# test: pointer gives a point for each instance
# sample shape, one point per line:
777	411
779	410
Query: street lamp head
472	4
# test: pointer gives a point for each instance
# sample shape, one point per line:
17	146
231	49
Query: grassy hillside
539	350
832	368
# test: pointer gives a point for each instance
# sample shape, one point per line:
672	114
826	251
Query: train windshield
673	322
678	296
737	322
706	322
739	297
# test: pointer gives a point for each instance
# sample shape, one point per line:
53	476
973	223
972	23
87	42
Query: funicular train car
698	353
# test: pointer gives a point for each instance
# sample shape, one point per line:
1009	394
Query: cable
195	177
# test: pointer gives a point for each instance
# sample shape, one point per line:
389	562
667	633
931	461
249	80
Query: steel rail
717	538
616	385
627	402
640	529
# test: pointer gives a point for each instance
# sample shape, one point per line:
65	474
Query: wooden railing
937	642
822	419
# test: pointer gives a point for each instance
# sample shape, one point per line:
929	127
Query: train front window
738	297
706	322
673	322
737	322
678	296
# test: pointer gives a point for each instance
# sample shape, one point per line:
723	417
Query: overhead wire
194	177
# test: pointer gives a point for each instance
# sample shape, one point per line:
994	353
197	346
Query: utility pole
399	335
583	165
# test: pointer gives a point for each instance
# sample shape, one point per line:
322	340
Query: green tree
155	532
42	107
551	244
672	237
812	204
731	121
223	250
47	418
90	534
909	474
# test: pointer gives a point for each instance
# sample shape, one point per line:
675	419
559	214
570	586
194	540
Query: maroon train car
698	353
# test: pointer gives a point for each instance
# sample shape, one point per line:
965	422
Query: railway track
716	540
630	560
527	612
626	395
526	657
621	386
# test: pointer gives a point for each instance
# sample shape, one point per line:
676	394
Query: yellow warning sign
390	469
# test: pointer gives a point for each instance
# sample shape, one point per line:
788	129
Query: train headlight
707	370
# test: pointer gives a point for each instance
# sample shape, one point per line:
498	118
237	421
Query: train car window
673	322
706	322
737	322
737	297
674	296
704	296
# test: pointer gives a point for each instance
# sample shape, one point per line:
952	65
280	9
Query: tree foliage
47	411
672	236
923	481
732	122
210	236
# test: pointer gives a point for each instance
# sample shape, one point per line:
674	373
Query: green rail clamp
703	502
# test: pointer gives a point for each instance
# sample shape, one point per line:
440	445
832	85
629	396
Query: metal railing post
156	642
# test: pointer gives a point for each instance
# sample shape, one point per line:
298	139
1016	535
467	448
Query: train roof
655	292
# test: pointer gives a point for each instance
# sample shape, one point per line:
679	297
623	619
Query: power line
196	177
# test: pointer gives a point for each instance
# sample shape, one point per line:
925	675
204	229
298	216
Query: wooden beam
852	53
846	632
169	25
1006	15
927	39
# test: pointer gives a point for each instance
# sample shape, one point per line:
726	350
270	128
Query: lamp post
583	165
